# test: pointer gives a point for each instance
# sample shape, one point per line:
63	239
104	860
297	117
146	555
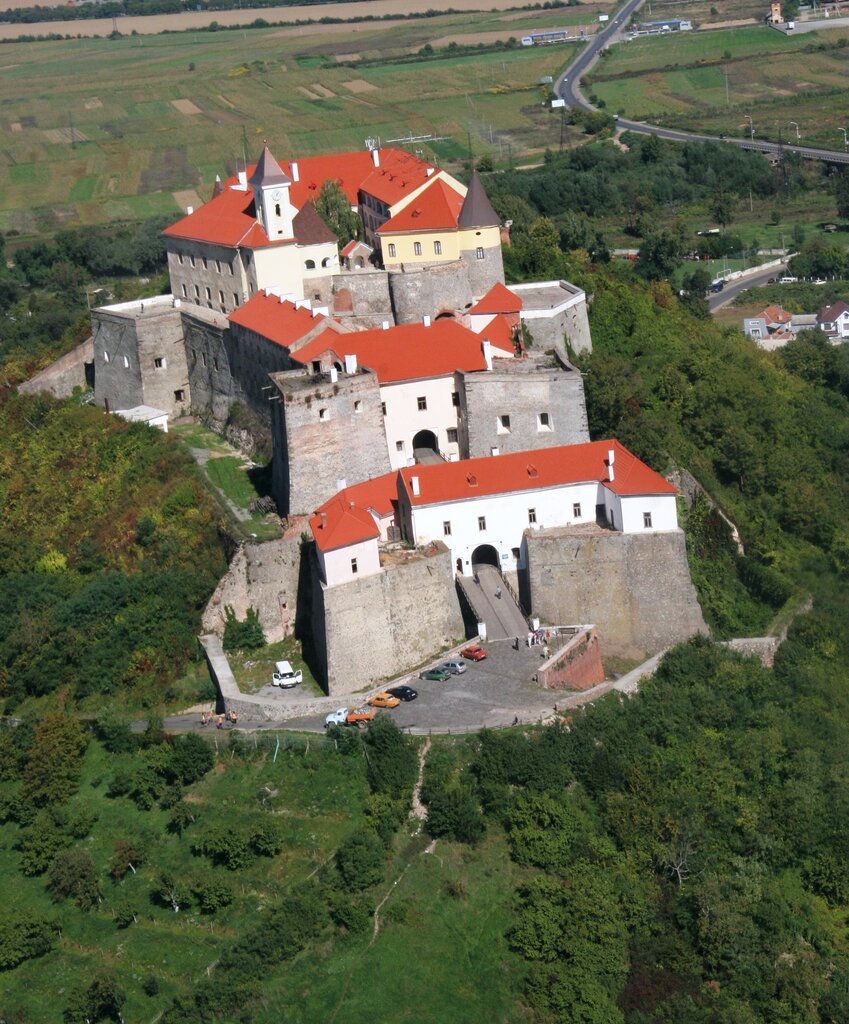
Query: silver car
456	668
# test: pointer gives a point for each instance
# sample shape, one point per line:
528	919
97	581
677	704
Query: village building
773	327
480	509
833	321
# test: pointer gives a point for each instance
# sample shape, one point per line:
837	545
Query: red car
474	652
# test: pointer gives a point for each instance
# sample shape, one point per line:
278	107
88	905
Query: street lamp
751	124
796	126
845	140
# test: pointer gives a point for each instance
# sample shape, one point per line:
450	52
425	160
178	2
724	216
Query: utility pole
727	94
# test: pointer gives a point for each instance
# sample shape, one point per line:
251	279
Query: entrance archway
485	554
425	447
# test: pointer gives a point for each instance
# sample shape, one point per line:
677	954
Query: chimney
494	451
296	174
177	303
426	321
341	485
386	325
414	485
486	347
243	182
323	520
430	171
611	458
189	209
375	156
350	364
334	376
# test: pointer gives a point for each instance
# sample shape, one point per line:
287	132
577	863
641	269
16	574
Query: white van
285	676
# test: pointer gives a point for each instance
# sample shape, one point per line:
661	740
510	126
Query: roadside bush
246	635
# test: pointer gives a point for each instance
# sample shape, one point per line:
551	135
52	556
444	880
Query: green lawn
253	669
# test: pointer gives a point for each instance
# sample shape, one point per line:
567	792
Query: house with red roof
834	321
480	509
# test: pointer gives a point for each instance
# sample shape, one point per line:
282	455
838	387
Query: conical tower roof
268	171
477	211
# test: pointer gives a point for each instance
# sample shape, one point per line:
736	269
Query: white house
481	508
834	321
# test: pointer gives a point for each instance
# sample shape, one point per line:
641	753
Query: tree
53	767
392	759
246	635
102	999
658	255
334	208
359	861
72	875
24	936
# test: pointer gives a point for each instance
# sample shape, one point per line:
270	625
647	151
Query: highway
733	288
568	88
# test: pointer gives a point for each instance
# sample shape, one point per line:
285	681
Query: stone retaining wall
576	666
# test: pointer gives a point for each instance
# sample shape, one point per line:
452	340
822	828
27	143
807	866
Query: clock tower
271	197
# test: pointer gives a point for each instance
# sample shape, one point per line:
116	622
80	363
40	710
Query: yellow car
384	700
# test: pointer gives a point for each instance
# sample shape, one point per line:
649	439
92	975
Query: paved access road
568	87
734	288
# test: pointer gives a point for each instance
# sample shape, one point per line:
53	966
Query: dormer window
533	472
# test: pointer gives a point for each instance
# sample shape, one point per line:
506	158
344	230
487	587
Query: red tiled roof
339	523
281	322
776	315
228	217
435	208
499	332
499	299
534	470
352	245
407	352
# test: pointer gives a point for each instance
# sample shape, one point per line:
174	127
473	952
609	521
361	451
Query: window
310	264
358	406
532	516
503	426
179	395
481	522
437	248
214	364
184	291
159	363
421	401
326	261
192	259
399	446
235	299
452	435
515	552
197	291
316	366
354	569
479	252
323	415
204	263
383	408
446	528
230	269
221	297
455	399
218	266
417	248
543	421
576	510
647	520
208	294
277	209
126	363
105	356
180	257
203	358
391	248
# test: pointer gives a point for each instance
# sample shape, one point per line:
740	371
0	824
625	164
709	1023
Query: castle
424	417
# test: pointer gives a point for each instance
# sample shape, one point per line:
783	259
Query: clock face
277	195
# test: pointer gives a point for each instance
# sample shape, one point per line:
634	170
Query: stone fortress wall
636	588
376	627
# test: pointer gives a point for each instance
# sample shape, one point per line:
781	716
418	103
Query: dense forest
679	857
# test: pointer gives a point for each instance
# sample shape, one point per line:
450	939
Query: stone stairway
502	615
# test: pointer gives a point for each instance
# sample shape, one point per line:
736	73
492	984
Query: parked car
474	652
788	279
717	286
440	674
337	717
405	693
360	717
384	700
285	676
456	668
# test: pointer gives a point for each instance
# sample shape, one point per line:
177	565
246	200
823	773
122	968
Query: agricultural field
98	130
715	81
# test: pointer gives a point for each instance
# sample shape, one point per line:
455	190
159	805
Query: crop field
100	129
711	81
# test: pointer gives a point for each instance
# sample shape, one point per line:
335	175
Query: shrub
359	861
246	635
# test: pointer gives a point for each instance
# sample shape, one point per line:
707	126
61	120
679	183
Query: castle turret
271	196
480	238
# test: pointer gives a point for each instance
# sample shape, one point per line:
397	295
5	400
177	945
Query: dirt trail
418	808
